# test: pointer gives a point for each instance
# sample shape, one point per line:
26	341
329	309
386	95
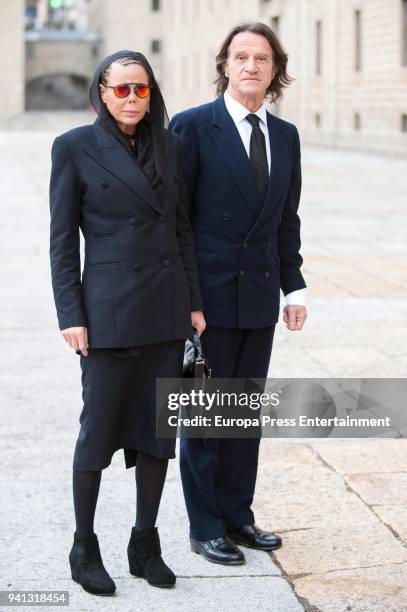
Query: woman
119	181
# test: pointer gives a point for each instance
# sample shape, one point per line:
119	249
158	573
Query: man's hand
198	320
294	317
77	338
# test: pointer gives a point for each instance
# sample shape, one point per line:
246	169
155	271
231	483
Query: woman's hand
198	320
77	338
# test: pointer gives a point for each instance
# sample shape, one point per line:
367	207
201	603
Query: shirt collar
238	112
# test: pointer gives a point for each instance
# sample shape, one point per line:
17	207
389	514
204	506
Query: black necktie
258	156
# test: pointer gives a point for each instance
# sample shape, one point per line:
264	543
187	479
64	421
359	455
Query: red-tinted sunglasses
123	89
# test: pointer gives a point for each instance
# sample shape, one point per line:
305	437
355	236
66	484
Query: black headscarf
150	150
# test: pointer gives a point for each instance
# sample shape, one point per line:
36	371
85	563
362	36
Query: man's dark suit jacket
140	280
246	250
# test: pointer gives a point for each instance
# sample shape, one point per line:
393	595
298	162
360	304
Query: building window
155	5
318	47
404	32
356	121
275	24
156	46
404	122
358	41
317	118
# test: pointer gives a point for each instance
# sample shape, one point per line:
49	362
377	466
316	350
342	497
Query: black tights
150	476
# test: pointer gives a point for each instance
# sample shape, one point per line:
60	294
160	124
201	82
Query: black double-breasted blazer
140	280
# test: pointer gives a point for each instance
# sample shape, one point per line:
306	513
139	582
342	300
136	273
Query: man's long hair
280	58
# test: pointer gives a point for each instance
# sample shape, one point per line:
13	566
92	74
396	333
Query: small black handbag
195	363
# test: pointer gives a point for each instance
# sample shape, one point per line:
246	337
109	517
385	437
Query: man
242	167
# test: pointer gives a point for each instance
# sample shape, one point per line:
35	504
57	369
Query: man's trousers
219	475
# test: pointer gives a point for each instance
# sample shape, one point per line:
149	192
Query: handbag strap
197	344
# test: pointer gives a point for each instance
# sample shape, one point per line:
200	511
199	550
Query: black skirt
119	405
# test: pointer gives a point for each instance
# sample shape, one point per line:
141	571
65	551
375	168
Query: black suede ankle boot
145	561
87	566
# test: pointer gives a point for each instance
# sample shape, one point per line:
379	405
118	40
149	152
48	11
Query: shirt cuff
296	298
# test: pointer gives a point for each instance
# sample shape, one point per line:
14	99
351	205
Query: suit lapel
113	157
278	165
226	138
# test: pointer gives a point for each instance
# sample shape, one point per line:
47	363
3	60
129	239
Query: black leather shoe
87	566
254	537
219	550
145	561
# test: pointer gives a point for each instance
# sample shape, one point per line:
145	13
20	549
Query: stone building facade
348	58
131	24
12	58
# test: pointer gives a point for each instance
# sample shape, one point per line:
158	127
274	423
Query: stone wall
12	58
340	106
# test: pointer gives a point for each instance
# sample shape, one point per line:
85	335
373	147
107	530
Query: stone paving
340	505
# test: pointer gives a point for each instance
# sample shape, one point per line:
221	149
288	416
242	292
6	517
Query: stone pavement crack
343	569
293	530
356	567
290	579
370	506
229	576
389	527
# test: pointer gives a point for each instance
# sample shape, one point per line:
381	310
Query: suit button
241	272
166	262
136	267
161	219
267	274
133	221
226	216
104	184
245	245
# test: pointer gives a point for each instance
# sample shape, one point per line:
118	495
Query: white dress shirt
239	113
